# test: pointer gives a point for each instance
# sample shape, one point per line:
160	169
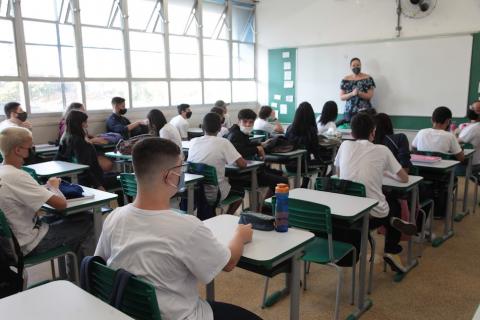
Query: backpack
126	146
11	281
278	144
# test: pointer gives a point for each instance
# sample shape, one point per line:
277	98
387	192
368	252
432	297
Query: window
147	55
216	59
146	15
103	13
214	20
149	94
243	22
48	97
244	91
184	57
8	65
186	92
243	60
181	17
99	94
11	91
217	90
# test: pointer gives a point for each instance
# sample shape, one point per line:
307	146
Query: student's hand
54	182
144	122
261	152
245	232
98	140
26	124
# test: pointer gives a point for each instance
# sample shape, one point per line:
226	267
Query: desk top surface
54	168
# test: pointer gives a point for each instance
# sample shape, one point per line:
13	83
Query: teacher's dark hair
353	59
329	112
362	126
384	127
304	121
441	115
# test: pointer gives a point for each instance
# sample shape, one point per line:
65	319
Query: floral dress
355	104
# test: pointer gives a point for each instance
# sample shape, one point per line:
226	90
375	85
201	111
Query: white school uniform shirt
20	199
364	162
169	132
228	122
7	123
181	124
328	128
216	152
471	134
264	125
436	141
172	251
223	131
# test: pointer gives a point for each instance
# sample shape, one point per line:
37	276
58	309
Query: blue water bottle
281	207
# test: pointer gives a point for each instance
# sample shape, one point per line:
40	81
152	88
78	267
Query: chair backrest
31	172
340	186
261	132
444	156
5	231
129	184
139	298
208	172
9	243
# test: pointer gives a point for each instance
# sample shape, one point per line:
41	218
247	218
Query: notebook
423	158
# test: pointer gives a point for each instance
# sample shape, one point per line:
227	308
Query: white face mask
246	130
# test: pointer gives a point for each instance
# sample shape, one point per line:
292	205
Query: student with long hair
326	123
159	127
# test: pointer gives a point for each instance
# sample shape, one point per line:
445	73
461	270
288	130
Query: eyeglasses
183	168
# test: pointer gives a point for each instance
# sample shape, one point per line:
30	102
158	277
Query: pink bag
404	215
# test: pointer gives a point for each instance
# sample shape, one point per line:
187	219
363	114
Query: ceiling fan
413	9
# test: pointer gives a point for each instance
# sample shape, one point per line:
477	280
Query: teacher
357	89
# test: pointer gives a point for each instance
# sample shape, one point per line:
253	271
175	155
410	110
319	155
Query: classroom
239	159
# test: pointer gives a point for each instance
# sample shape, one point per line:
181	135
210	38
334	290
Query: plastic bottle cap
282	187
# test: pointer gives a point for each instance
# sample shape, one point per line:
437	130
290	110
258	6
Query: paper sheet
287	66
287	75
277	97
273	105
285	54
288	84
289	98
283	109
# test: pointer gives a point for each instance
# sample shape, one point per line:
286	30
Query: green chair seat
47	256
317	251
230	199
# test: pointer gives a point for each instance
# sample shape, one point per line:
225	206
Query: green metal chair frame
29	261
128	182
32	173
139	298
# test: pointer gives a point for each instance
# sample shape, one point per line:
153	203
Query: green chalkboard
277	92
474	90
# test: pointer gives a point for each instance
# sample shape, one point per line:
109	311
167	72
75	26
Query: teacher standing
357	90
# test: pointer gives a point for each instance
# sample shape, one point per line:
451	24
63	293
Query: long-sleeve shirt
242	143
117	123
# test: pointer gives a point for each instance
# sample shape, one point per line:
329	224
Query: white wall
287	23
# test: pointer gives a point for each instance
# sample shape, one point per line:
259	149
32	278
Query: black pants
226	311
392	235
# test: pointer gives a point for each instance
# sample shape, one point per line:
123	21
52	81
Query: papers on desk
425	159
86	195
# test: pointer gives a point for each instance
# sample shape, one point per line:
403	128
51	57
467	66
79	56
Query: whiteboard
412	77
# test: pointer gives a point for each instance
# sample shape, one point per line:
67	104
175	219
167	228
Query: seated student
21	197
74	147
303	134
221	104
16	117
159	127
217	152
437	139
221	112
239	136
180	121
118	123
472	116
267	121
364	162
326	123
171	251
397	143
471	134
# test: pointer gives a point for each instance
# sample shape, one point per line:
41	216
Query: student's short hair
221	104
12	137
212	122
265	112
441	114
247	114
9	108
218	110
182	107
472	115
73	106
117	100
362	125
150	156
355	59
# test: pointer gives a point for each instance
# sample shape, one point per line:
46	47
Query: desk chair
261	132
21	262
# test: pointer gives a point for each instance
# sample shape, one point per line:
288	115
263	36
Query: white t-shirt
7	123
364	162
169	132
264	125
172	251
471	134
20	199
228	122
329	128
436	141
216	152
181	124
223	131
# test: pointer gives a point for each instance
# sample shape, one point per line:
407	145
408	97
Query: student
159	127
472	116
397	143
239	136
326	123
365	162
221	104
437	138
62	125
471	134
303	134
21	197
118	123
180	121
74	147
16	117
172	251
267	121
221	112
217	152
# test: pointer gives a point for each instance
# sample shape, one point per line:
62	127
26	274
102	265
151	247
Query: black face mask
356	70
122	111
189	114
22	116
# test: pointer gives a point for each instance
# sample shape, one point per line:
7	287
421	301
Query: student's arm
460	156
134	125
243	234
278	127
57	200
402	175
456	149
241	163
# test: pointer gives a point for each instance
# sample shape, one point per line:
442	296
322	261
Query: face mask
189	114
22	116
356	70
181	182
246	130
122	111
